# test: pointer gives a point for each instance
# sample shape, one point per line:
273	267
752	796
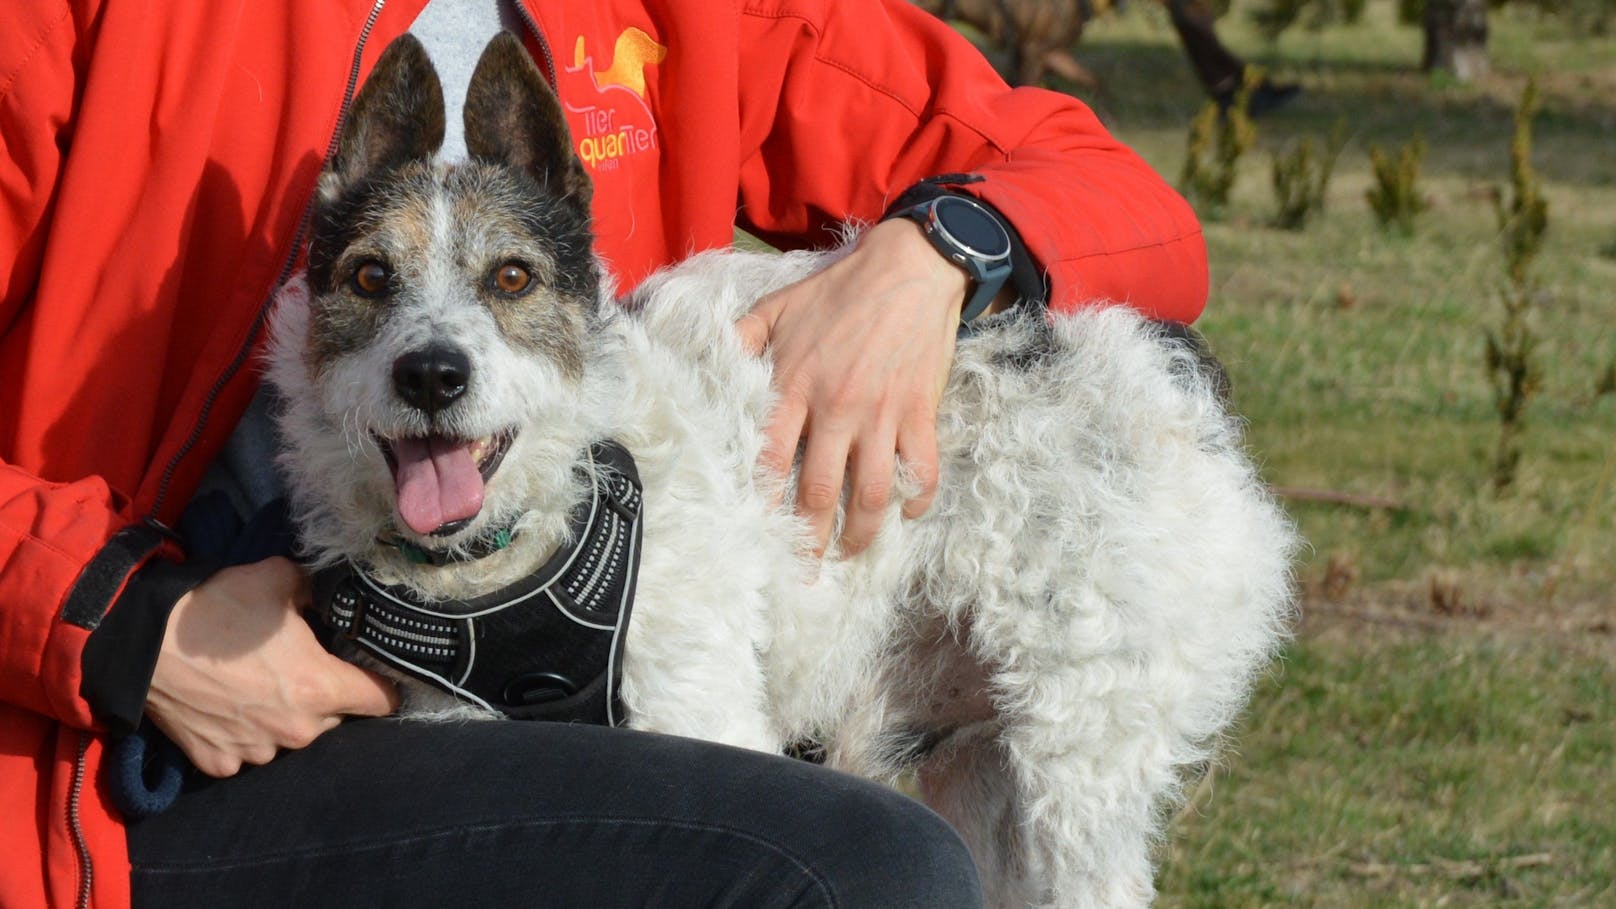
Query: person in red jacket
154	188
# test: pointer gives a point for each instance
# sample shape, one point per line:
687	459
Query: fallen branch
1334	497
1452	869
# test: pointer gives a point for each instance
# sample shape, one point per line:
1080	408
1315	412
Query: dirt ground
1582	620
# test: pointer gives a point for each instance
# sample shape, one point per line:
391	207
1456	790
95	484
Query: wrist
121	655
1028	284
903	245
971	236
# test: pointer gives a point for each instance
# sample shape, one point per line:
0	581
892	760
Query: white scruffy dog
1072	625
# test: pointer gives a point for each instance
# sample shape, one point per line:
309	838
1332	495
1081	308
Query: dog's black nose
431	379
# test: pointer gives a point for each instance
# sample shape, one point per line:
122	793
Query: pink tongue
438	482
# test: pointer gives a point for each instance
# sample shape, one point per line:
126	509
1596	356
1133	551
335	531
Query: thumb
360	692
755	328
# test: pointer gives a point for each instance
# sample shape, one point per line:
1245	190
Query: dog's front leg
701	684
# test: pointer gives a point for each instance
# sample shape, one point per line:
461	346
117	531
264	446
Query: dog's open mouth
440	480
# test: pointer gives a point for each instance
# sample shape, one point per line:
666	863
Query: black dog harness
549	647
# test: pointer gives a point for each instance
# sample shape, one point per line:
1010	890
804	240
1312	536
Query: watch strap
1026	274
959	243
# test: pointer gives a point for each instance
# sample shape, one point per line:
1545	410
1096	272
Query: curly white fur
1100	560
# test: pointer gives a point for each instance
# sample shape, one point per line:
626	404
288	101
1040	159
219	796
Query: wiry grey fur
1076	620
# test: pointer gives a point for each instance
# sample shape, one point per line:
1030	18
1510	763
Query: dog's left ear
513	116
396	118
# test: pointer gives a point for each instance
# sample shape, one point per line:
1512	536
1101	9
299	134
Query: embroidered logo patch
616	121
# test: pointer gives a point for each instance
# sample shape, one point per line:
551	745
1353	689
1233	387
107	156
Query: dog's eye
512	278
371	278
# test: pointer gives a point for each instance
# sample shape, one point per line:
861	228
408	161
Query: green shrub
1523	223
1606	383
1512	362
1300	181
1217	140
1275	16
1595	17
1396	198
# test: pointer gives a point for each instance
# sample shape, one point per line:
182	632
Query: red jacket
157	167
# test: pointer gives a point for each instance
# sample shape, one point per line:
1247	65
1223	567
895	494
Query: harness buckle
538	688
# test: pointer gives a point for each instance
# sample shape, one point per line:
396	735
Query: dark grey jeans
388	813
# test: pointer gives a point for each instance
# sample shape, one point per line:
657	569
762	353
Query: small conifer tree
1300	181
1512	362
1396	197
1217	140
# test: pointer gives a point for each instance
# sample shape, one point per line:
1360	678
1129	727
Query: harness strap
547	647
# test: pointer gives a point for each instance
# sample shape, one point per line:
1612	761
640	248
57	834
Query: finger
870	489
753	330
782	435
917	445
360	692
757	326
216	764
819	483
258	754
302	592
287	582
303	731
210	759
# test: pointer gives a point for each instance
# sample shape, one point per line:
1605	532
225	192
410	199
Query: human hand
240	675
861	353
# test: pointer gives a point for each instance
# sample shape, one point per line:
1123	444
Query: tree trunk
1456	37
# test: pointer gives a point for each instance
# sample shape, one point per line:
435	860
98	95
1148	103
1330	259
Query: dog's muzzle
548	647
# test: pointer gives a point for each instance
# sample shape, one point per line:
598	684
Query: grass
1471	774
1441	732
1358	356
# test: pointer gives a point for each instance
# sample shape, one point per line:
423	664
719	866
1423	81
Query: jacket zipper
263	310
538	36
81	846
75	825
86	870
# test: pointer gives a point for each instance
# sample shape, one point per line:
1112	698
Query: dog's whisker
353	433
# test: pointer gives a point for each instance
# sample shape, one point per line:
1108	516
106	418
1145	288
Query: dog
1045	654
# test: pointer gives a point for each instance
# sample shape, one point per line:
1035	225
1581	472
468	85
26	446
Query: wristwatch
970	235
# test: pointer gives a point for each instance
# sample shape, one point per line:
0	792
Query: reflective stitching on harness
431	644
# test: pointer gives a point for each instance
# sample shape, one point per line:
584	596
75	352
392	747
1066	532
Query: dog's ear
396	118
513	117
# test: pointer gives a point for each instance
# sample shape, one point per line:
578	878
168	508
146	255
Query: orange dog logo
618	124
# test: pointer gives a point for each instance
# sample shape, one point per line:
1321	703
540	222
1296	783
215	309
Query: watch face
971	227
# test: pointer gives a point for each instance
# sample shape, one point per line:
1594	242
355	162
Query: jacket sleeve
845	105
67	555
68	551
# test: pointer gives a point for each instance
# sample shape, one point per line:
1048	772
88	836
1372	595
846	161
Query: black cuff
1025	273
121	654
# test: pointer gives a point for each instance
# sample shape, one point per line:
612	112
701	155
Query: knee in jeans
898	852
